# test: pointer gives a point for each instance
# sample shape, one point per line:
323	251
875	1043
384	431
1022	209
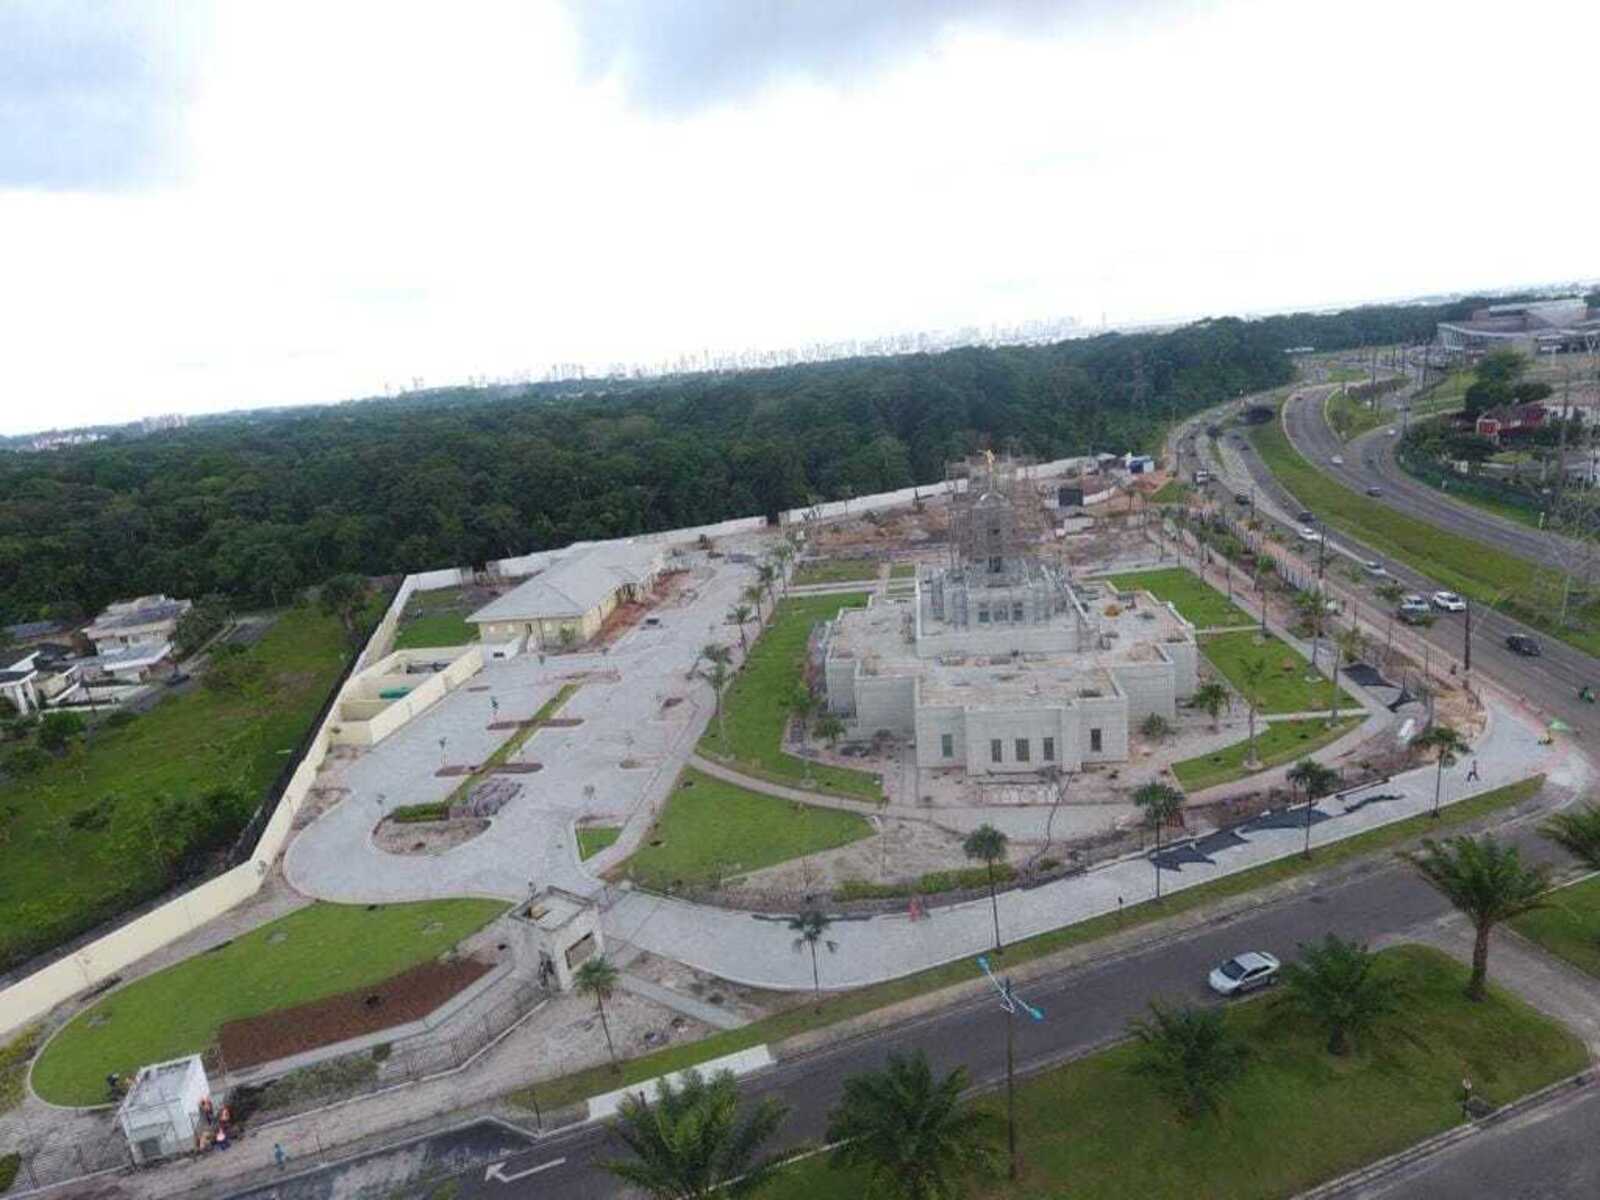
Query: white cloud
375	193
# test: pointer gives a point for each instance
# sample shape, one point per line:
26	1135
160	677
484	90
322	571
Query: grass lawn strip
1461	564
903	571
594	838
803	1018
1173	491
1277	742
512	744
312	953
435	629
57	880
710	830
1350	417
1196	600
835	570
1298	1116
1570	927
755	708
1285	689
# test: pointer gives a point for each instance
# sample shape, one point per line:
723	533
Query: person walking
1472	773
278	1154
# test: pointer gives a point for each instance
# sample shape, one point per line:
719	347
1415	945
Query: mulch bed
562	722
408	996
516	768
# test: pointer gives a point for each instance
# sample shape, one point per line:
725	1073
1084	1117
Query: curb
1345	1185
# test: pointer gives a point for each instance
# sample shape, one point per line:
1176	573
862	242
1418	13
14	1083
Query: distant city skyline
205	207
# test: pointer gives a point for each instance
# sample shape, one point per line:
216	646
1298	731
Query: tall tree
739	614
1316	781
692	1143
1212	698
1487	881
1191	1053
1578	832
344	596
1161	803
598	978
1252	674
1341	986
908	1133
1446	743
988	844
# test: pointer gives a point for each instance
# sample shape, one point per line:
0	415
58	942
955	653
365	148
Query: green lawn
311	953
594	838
14	1058
903	571
835	570
711	830
803	1018
1459	563
1173	491
1570	927
756	705
1285	688
434	629
1277	742
1095	1128
1351	418
57	879
1200	603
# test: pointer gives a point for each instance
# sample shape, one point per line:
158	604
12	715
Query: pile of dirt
408	996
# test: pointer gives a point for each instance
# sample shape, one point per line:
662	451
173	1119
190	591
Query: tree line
254	507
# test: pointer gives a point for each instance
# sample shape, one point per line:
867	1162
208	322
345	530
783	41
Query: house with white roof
568	600
133	638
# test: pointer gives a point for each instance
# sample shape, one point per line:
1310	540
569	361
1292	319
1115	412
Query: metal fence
52	1165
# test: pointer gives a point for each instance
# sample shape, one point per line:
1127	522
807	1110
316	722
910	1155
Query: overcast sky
248	204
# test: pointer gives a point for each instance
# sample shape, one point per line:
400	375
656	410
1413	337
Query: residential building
133	638
568	600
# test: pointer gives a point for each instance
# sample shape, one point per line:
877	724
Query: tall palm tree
989	844
810	929
691	1144
1161	803
739	614
598	978
1339	985
1316	781
1447	744
1212	699
909	1133
1577	832
766	573
718	677
1486	880
1252	674
1190	1052
753	595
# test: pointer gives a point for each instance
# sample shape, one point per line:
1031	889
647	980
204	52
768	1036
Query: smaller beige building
568	600
552	934
393	690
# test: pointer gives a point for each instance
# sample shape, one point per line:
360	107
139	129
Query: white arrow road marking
498	1171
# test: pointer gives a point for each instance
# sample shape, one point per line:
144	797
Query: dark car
1241	497
1521	643
1305	517
1374	491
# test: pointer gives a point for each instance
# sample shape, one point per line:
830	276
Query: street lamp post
1009	1003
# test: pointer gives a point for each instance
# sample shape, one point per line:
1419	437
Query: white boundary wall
32	997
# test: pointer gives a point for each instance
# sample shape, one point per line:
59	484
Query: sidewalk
745	948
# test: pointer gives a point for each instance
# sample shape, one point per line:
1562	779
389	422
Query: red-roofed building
1510	418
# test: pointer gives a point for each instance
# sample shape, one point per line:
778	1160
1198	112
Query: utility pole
1009	1003
1466	654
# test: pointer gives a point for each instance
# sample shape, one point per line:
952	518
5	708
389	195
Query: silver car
1244	973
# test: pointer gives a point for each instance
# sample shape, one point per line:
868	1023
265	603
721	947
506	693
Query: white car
1337	460
1308	534
1244	973
1375	568
1449	601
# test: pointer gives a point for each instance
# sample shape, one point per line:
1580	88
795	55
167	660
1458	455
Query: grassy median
1277	742
1570	927
1196	600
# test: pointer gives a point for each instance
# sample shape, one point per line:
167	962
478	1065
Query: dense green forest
257	506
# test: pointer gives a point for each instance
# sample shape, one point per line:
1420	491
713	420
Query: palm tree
739	614
716	652
1313	606
767	573
1252	673
753	595
598	978
1212	699
810	928
1448	743
1316	781
989	844
802	703
784	553
1161	803
909	1133
1190	1053
1339	985
1349	647
691	1143
1486	880
718	677
1578	833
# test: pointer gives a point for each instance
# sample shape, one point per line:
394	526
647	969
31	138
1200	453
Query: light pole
1009	1003
1466	655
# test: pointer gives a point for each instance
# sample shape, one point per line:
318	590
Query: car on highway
1245	973
1305	516
1521	643
1374	491
1307	534
1241	498
1375	567
1449	602
1337	460
1414	609
1391	431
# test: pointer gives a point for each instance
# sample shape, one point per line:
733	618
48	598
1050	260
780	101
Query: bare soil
408	996
427	837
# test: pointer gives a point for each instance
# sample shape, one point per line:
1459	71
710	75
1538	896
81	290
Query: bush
25	760
412	814
10	1164
233	672
1155	727
97	816
56	729
121	719
930	884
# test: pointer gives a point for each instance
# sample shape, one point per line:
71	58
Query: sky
214	206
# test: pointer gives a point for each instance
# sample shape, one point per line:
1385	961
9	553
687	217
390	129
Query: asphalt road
1552	680
1550	1154
1083	1008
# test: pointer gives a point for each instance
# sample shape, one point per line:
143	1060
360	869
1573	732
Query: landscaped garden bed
835	570
1196	600
1288	685
1277	742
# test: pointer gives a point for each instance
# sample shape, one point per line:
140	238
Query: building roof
130	658
29	630
128	615
15	658
574	583
162	1083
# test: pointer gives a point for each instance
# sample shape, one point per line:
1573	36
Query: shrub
25	760
56	729
412	814
121	719
97	816
10	1164
1155	727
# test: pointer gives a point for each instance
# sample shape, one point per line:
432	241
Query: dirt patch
427	837
516	768
408	996
561	722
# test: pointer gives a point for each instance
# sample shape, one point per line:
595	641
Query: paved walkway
754	950
689	1006
766	787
